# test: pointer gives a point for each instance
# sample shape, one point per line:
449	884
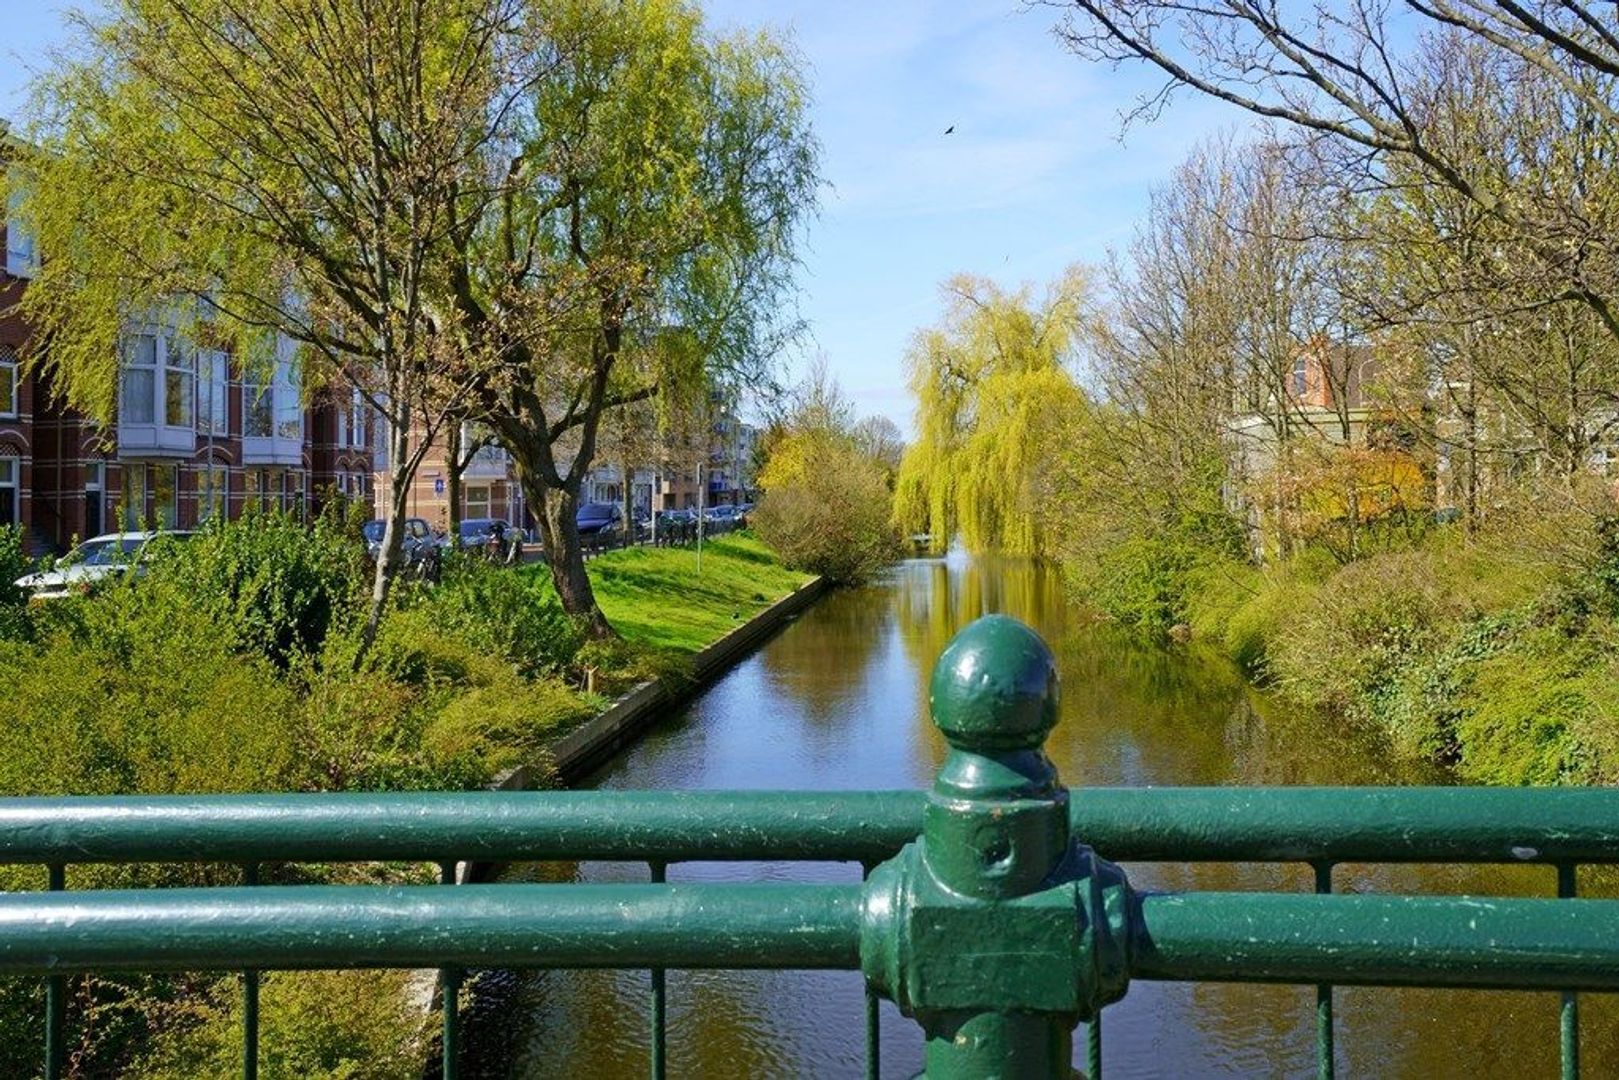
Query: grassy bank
669	599
1496	655
229	668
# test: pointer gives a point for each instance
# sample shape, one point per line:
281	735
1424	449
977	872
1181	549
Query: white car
93	561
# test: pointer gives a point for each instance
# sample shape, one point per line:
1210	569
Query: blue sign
438	485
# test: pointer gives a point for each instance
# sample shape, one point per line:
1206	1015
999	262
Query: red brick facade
64	477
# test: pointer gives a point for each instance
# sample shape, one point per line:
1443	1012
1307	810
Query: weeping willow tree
991	387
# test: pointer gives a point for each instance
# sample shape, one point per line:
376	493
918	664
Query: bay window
157	397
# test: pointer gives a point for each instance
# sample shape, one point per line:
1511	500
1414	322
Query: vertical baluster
1325	1064
873	1021
55	997
1093	1047
450	998
1568	888
250	1001
658	872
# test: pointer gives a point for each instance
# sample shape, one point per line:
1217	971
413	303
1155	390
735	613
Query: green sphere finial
995	687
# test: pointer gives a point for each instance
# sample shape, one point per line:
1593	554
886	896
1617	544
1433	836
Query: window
351	422
8	381
258	409
292	493
213	407
478	501
179	385
95	484
289	411
140	380
165	484
159	382
20	254
213	489
1301	376
8	490
134	499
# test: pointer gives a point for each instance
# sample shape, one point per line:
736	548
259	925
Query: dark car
418	543
475	532
596	518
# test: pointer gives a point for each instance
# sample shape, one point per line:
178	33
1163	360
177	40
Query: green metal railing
981	914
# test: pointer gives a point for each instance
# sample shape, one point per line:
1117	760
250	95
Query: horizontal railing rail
1294	824
1442	941
988	910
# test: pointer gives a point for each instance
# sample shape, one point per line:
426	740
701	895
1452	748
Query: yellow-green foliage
991	394
314	1025
826	506
1496	656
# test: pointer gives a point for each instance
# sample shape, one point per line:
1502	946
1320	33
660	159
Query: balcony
155	440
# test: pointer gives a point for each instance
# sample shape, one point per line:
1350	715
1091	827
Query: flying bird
950	129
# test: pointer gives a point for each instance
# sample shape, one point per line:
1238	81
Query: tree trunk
629	504
393	536
455	467
555	510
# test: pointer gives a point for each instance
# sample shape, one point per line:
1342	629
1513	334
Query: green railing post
55	996
250	1000
997	931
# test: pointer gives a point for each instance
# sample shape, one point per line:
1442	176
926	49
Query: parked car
94	561
421	546
594	519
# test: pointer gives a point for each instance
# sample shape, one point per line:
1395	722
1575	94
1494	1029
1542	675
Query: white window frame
128	396
179	369
157	358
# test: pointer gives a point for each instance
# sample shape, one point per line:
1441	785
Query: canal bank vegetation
1340	438
228	666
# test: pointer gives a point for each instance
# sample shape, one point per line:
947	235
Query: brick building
194	436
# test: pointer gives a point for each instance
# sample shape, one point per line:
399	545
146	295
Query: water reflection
838	700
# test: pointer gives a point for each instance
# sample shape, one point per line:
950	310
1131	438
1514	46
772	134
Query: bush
829	512
513	616
275	586
322	1025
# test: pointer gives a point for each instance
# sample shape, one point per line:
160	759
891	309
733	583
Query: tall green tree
650	197
246	173
991	386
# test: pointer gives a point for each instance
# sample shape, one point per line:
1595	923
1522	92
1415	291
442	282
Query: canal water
838	700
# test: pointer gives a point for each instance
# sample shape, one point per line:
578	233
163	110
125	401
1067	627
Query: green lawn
659	598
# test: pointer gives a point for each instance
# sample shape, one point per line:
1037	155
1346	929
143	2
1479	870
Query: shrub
322	1025
513	616
131	696
827	508
275	586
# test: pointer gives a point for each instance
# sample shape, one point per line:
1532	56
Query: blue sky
1034	177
